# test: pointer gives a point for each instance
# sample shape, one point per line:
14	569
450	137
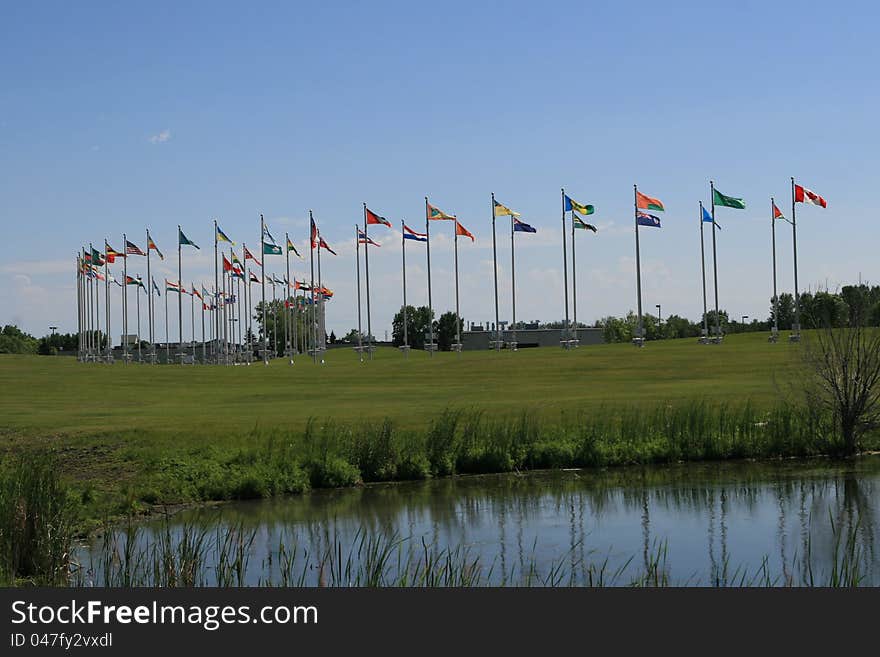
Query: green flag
271	249
729	201
583	225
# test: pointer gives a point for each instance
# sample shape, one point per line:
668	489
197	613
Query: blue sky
115	117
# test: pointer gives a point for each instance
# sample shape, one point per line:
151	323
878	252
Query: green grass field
158	433
45	396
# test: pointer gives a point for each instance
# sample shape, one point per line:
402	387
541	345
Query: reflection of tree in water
505	517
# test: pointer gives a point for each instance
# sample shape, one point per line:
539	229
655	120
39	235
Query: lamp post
53	329
743	320
659	320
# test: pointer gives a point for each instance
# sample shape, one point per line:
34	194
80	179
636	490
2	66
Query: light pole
744	318
53	329
659	320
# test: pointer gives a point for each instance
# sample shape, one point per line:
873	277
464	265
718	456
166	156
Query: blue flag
707	216
522	227
645	219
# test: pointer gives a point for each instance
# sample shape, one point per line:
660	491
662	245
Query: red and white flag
804	195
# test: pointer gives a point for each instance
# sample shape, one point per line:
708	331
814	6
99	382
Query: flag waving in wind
250	256
502	210
373	218
645	202
804	195
151	246
438	214
183	240
728	201
363	238
132	249
410	234
156	288
461	230
325	246
291	247
267	234
583	225
645	219
572	205
777	213
221	237
521	227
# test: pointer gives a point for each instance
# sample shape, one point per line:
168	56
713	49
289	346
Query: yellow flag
501	210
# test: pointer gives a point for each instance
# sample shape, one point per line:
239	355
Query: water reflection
718	522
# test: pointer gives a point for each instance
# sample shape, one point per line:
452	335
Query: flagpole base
638	342
431	346
497	345
404	349
456	346
774	336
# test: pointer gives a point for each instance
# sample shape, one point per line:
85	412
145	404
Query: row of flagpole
227	316
225	321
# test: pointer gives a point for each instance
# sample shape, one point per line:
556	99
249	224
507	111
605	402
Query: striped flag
363	238
152	245
132	249
250	256
291	247
221	237
410	234
438	214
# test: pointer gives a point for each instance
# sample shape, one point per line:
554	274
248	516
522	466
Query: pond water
712	523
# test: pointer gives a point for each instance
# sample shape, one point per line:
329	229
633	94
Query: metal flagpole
274	319
715	264
314	241
457	316
796	325
224	324
125	299
204	344
87	296
565	332
319	326
703	264
639	327
513	345
238	342
574	296
263	284
430	304
367	275
107	303
84	323
179	296
91	298
79	335
357	257
216	311
192	319
495	270
149	298
775	332
287	351
167	344
403	253
137	294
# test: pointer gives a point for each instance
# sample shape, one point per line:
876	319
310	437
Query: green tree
417	323
15	341
785	305
446	330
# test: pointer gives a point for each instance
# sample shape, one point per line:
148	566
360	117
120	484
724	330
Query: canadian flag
804	195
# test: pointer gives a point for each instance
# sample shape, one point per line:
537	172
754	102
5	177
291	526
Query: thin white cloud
162	137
